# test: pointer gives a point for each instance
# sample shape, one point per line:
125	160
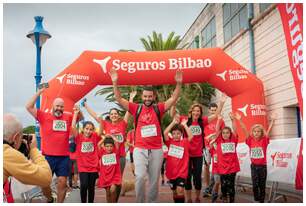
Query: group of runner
191	141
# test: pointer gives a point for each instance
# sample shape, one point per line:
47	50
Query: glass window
263	7
209	34
235	18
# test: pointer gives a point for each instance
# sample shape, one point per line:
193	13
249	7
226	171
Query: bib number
176	151
109	159
59	125
119	137
87	147
149	131
257	153
195	130
228	148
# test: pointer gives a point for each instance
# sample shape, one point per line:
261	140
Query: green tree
29	129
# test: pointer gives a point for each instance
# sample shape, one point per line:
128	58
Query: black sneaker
214	197
52	200
206	193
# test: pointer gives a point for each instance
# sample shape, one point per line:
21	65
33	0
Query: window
263	7
235	18
299	122
195	43
208	34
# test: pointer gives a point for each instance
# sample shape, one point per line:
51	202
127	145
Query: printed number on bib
195	130
119	137
59	125
257	153
176	151
228	148
87	147
109	159
149	131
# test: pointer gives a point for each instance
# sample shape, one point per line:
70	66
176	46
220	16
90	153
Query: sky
75	28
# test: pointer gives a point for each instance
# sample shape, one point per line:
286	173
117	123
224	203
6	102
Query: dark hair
108	140
177	127
88	123
229	129
117	110
148	88
212	105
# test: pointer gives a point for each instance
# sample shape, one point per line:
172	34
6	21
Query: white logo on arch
244	110
222	75
60	78
102	63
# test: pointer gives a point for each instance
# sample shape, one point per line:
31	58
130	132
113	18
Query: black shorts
178	182
131	157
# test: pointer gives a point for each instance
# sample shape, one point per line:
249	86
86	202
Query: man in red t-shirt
148	153
54	129
208	130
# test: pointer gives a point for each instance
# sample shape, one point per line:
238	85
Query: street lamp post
39	36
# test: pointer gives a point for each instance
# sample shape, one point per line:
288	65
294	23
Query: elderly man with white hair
15	164
55	129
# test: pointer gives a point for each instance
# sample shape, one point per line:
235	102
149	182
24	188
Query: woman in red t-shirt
110	176
228	164
87	157
258	142
117	126
177	157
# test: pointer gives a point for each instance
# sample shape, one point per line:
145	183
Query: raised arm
31	103
179	79
244	129
176	120
232	117
123	102
219	109
76	111
187	129
91	112
127	114
273	118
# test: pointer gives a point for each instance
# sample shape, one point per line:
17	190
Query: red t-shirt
214	158
210	129
258	149
54	133
196	144
109	168
7	192
227	155
119	130
130	138
87	152
148	131
177	158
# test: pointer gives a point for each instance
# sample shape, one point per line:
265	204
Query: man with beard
148	153
55	128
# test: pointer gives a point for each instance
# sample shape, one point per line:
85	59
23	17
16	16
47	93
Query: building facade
252	34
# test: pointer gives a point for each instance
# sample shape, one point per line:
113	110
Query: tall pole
38	80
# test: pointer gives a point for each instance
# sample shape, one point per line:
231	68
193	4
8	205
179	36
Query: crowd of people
188	144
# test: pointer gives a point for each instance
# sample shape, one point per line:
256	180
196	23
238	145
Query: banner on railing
282	158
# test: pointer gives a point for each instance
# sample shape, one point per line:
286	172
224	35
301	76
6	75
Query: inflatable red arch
211	65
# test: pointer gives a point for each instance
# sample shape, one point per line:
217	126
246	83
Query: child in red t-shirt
228	164
110	175
178	157
87	157
258	142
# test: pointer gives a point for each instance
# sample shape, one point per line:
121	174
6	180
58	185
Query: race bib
87	147
149	131
119	137
195	130
165	148
215	158
257	153
59	125
228	147
109	159
176	151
